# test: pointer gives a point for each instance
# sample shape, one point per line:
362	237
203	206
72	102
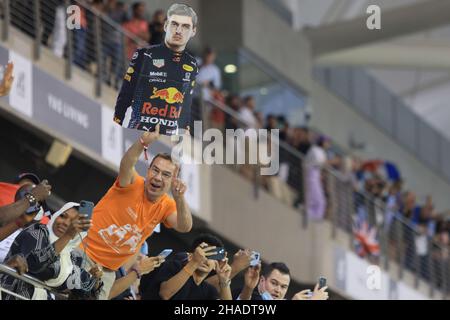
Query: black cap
30	176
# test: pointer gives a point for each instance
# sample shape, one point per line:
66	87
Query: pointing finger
176	172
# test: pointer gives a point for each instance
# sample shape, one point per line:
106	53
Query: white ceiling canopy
412	61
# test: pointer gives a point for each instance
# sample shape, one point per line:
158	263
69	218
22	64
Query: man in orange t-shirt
127	214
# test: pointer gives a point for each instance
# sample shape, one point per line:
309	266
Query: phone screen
256	257
165	253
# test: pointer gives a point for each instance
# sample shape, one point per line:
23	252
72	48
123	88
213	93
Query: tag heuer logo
159	63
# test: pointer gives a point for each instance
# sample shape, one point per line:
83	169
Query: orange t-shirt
136	27
121	222
7	193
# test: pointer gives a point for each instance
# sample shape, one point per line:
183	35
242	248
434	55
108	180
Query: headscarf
65	254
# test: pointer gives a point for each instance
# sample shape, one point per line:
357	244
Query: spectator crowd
321	180
80	252
58	248
49	246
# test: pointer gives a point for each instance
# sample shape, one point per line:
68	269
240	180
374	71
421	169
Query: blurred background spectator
112	42
315	160
137	26
209	76
156	27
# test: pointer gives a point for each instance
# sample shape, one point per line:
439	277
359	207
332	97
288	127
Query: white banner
406	293
112	141
363	282
20	97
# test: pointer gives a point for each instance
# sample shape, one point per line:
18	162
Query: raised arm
181	221
140	268
241	261
251	280
77	225
11	212
131	157
223	270
8	230
170	287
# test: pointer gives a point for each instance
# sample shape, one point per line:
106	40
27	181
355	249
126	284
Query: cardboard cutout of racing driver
160	79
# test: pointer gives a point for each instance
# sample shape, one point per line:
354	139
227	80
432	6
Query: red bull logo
170	95
167	111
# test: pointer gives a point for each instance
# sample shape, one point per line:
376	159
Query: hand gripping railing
27	279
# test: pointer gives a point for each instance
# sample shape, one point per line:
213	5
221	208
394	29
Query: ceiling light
230	68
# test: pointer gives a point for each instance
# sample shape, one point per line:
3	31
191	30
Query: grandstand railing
100	49
279	8
389	112
397	239
27	279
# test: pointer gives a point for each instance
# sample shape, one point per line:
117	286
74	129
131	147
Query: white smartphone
165	253
256	258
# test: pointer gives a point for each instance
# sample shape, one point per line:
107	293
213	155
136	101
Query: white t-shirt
248	117
316	156
210	73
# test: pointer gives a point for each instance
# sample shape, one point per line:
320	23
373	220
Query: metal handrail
6	20
398	104
280	10
338	175
100	18
94	51
111	22
223	107
290	150
28	279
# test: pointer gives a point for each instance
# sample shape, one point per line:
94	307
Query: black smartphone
86	208
220	254
322	282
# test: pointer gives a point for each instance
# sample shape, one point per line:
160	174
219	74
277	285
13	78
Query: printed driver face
276	284
159	178
179	29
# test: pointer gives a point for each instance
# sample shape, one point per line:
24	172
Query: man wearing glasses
128	213
158	84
